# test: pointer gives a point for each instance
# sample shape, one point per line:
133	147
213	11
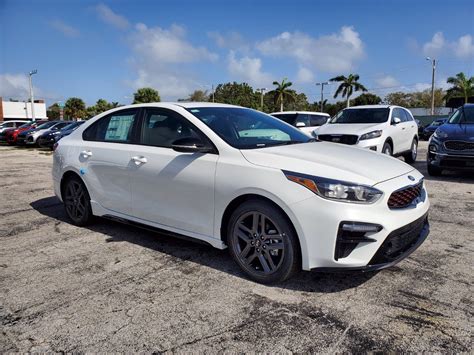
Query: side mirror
300	124
190	145
396	120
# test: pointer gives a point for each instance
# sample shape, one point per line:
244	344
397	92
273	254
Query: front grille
459	145
400	241
404	197
350	139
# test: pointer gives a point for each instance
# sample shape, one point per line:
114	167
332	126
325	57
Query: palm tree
347	86
462	86
281	93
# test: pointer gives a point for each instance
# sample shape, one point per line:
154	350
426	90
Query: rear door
398	131
105	159
172	188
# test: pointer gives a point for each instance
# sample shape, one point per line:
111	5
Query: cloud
230	40
462	48
248	69
64	28
16	86
162	59
387	81
304	75
110	17
337	52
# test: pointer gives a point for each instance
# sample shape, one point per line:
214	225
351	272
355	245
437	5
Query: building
21	110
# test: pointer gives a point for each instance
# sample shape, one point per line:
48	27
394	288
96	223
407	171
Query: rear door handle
139	160
86	153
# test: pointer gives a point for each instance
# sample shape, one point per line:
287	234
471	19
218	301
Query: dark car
451	147
420	127
48	139
431	128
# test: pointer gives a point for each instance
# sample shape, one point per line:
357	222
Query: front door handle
403	128
139	160
86	153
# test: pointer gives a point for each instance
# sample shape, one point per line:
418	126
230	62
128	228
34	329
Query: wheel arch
66	176
237	201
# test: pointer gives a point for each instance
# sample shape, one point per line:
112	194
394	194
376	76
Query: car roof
181	104
371	106
296	112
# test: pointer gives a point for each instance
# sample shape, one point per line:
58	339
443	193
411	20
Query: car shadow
447	175
200	253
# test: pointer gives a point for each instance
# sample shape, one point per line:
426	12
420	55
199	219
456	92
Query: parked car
304	120
30	137
11	124
47	139
432	127
451	147
238	178
11	135
420	127
387	129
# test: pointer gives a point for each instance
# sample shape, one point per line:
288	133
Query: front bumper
442	158
318	224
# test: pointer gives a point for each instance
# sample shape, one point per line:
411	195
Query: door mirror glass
396	120
300	124
190	145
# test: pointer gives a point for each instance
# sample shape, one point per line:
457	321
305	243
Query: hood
349	128
458	131
329	160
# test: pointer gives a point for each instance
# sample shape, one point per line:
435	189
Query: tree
281	93
197	96
415	99
75	108
366	99
241	94
145	95
53	112
462	86
398	98
347	86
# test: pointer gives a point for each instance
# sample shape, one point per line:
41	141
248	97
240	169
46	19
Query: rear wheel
77	202
387	149
411	157
262	242
434	170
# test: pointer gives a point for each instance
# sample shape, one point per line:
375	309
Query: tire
410	158
434	170
266	255
77	202
387	149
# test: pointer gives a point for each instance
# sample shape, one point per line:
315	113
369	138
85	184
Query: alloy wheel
75	200
259	243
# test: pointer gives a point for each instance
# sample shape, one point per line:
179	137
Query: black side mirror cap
191	145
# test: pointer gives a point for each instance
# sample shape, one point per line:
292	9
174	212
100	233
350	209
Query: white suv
382	128
306	121
238	178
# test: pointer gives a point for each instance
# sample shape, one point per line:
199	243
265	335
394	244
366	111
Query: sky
108	49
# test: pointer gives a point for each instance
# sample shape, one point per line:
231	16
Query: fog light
361	227
432	148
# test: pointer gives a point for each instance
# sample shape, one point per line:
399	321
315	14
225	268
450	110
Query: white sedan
235	177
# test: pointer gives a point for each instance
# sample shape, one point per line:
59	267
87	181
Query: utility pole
262	93
212	89
32	99
433	69
322	93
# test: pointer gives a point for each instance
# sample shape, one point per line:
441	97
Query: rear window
116	127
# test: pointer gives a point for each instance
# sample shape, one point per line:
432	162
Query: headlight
334	189
370	135
440	134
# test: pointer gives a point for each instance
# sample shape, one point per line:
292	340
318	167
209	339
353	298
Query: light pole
322	93
433	66
262	93
32	99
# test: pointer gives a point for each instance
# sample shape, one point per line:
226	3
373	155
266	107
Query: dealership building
21	110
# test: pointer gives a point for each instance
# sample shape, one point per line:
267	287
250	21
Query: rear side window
288	118
302	118
116	127
407	115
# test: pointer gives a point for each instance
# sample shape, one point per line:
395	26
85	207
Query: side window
408	116
396	113
116	127
317	120
162	127
302	117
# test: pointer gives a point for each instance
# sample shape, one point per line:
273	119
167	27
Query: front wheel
262	242
77	202
410	158
387	148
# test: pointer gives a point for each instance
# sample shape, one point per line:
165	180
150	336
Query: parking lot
112	287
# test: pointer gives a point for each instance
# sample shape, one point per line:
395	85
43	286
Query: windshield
46	125
362	115
246	129
463	115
